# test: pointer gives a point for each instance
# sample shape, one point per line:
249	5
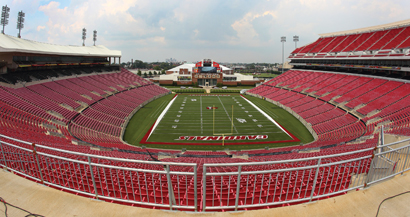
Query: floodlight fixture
20	22
296	39
94	36
283	40
84	36
4	16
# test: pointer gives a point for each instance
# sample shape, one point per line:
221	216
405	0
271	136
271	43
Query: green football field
215	119
191	123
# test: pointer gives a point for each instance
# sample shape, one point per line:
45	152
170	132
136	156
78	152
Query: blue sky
191	30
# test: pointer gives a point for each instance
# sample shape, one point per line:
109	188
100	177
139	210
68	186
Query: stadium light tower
296	39
283	40
20	22
4	16
84	35
94	36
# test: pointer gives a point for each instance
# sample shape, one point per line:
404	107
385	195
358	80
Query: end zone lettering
220	138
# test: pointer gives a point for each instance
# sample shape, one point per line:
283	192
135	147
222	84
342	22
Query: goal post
222	134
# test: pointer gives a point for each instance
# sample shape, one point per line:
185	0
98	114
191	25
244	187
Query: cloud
40	28
245	28
226	31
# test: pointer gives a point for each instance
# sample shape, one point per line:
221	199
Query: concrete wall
184	82
230	83
249	83
166	82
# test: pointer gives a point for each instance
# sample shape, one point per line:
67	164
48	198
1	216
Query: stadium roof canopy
190	66
369	29
13	44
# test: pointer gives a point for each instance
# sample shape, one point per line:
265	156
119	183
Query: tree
150	73
139	64
139	72
163	71
155	73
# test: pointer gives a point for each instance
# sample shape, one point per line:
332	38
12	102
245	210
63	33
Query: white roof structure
189	66
369	29
13	44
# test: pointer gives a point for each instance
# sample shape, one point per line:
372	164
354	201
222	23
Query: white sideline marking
267	116
202	129
161	116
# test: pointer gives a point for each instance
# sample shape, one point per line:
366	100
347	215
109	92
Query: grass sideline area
263	75
240	87
144	119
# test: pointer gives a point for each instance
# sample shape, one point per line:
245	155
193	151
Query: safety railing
244	186
144	183
218	187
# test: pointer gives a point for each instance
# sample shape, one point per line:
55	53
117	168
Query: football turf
192	123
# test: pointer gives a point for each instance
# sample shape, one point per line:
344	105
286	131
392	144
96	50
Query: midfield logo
210	107
220	138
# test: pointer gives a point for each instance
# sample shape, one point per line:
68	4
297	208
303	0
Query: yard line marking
161	116
200	100
227	114
266	115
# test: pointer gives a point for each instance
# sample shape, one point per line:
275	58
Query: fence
145	183
221	187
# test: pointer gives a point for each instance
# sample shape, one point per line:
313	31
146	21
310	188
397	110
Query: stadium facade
205	73
18	54
382	49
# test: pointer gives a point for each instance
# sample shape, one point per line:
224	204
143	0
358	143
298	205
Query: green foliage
225	91
139	64
139	72
188	90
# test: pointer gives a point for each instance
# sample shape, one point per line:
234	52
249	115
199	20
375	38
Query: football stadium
336	124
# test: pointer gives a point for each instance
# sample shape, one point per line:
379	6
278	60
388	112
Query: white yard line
267	116
227	114
161	116
200	100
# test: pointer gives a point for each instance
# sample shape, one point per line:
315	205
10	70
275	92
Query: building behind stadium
206	73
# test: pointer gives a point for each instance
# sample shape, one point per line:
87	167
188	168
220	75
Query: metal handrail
44	162
234	188
99	156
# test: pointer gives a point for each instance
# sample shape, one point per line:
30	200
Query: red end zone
189	138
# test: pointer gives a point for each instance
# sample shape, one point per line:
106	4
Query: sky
234	31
